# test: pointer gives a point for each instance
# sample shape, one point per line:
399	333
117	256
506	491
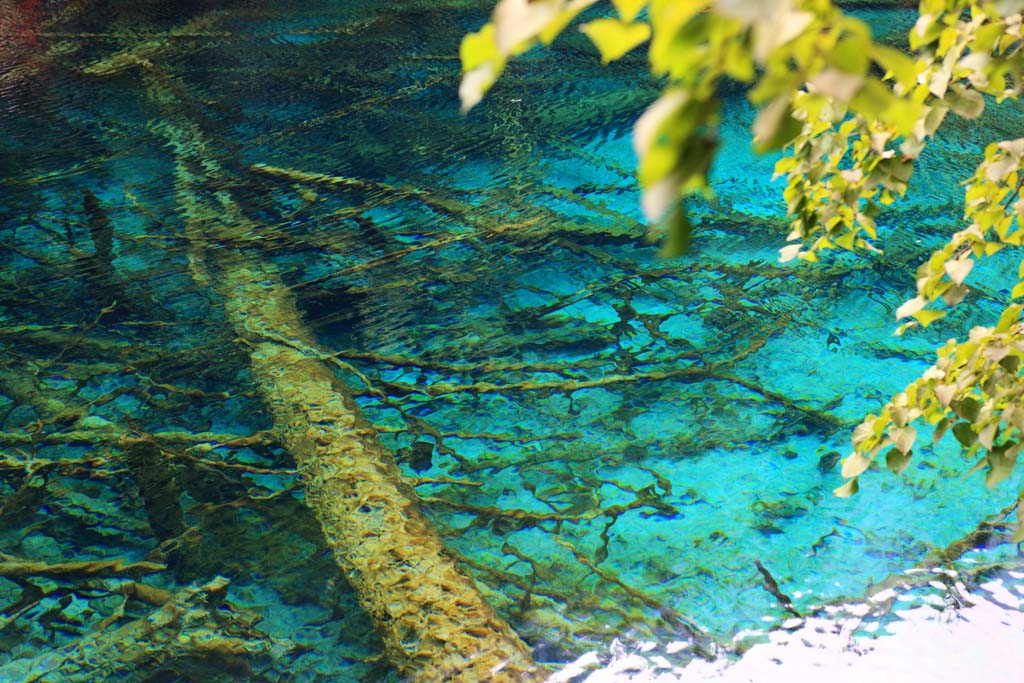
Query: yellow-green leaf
908	308
475	83
1018	535
482	63
850	54
479	47
517	23
775	125
846	240
614	37
995	247
902	67
873	99
903	438
945	393
928	316
1009	317
958	269
556	25
967	103
628	9
1000	466
808	256
854	464
848	489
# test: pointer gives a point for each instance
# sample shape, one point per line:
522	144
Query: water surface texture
609	441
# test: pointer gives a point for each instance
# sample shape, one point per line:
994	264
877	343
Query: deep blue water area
553	388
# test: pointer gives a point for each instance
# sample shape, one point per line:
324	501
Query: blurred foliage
852	115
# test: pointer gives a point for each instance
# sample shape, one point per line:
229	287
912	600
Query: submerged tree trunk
195	633
435	625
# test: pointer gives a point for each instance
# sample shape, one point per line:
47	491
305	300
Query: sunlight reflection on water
946	635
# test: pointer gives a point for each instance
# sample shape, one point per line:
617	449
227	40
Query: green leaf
873	99
966	408
964	434
851	54
775	83
1010	363
675	22
926	30
941	428
903	115
679	232
898	169
896	461
775	126
614	37
1018	535
902	67
876	101
986	36
1000	466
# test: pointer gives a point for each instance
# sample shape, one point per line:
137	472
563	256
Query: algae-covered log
434	623
16	567
196	633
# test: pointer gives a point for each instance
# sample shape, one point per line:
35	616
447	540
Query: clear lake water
608	440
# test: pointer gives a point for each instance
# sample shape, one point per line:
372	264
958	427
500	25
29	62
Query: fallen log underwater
435	625
195	632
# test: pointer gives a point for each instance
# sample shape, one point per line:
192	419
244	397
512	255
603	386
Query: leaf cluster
852	115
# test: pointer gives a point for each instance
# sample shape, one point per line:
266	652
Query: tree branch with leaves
852	116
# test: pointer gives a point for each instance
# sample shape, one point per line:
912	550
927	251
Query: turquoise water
554	389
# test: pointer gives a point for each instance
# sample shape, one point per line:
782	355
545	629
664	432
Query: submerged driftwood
435	625
196	633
